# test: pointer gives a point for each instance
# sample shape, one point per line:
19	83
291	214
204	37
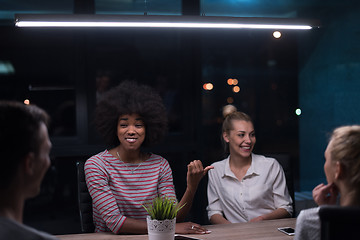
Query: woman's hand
276	214
195	173
218	219
325	194
190	228
257	219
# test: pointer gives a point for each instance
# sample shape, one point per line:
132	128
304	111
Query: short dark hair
129	97
19	135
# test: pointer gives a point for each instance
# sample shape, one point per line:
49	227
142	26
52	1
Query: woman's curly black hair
130	97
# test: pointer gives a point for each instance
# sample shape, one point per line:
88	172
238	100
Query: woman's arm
214	209
282	199
105	203
276	214
133	226
218	219
195	173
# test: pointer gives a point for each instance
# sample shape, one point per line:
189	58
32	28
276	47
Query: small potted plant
162	218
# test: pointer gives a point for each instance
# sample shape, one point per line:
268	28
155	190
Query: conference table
239	231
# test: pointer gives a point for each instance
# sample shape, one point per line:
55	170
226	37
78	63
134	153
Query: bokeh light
230	100
27	101
236	89
208	86
276	34
232	81
298	111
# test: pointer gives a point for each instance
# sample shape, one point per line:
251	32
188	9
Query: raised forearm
186	202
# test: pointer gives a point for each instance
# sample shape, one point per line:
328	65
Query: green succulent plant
163	208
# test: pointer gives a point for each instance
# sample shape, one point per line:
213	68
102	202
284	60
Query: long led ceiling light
116	21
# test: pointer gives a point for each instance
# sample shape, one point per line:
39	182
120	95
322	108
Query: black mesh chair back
84	201
339	222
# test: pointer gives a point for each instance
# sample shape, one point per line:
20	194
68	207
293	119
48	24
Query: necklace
131	170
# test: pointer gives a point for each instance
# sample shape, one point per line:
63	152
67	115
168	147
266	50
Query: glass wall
42	73
144	7
258	74
10	7
252	8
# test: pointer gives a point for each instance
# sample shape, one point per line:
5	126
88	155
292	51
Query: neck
12	204
349	197
130	156
239	162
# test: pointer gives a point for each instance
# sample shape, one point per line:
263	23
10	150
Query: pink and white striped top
118	193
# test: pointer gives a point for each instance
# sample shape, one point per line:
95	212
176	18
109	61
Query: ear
226	137
339	170
29	163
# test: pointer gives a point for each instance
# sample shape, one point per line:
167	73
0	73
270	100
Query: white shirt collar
250	172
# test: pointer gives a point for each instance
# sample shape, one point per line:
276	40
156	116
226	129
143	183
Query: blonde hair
345	148
230	113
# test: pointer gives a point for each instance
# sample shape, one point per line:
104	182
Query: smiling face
241	138
130	131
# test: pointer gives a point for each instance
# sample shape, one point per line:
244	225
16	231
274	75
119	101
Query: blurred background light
208	86
6	68
232	81
236	89
276	34
230	100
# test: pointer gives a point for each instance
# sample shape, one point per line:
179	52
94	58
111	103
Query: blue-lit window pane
250	8
9	8
134	7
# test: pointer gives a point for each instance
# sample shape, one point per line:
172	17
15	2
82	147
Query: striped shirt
117	192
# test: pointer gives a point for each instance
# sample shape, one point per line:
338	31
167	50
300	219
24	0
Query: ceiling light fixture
152	21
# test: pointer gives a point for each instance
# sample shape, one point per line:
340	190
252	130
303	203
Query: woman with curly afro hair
123	178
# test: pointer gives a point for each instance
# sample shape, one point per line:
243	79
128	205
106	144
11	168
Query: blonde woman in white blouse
245	187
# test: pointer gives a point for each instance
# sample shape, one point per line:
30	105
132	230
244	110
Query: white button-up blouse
262	190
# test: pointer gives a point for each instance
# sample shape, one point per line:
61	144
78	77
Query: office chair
339	222
84	201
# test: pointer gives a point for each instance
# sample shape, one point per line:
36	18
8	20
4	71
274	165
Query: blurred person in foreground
245	187
342	170
25	148
125	177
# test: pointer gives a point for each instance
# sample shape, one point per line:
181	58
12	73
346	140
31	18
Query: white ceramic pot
161	229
